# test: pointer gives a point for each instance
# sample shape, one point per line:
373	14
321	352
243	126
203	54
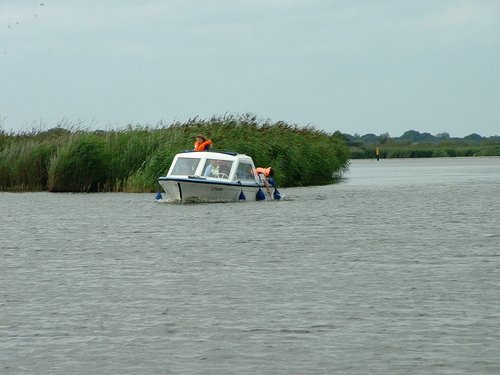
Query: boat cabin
213	165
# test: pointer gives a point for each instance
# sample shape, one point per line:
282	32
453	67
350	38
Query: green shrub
79	166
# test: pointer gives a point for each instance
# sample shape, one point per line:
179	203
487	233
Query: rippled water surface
394	271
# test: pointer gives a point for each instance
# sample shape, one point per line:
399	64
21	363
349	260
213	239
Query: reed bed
131	160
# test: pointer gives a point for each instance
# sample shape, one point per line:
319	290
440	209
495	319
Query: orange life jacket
264	171
202	146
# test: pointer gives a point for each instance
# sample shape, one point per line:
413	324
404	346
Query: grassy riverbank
413	144
131	160
424	150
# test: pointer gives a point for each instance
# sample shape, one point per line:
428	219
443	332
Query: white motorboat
211	176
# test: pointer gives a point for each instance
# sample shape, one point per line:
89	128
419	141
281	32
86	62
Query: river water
396	270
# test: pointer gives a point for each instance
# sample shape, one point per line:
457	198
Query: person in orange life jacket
266	176
202	143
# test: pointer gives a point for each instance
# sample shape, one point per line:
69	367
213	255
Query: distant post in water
377	153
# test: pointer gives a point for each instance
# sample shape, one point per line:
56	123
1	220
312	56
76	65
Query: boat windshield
244	171
185	166
217	168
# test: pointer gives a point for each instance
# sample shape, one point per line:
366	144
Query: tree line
414	144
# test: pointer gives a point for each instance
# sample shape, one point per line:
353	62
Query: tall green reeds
24	165
80	165
132	159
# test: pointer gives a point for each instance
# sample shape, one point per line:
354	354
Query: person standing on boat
266	177
202	143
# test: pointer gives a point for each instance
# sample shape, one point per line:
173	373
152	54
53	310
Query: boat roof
223	155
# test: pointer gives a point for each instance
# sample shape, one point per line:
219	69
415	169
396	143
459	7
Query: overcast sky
358	66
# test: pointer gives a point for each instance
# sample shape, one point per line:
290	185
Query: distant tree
427	137
384	137
410	135
443	135
473	137
417	137
370	138
345	137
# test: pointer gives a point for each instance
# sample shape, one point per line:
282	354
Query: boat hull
200	190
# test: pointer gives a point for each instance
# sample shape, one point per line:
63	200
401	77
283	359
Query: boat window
244	172
185	166
217	168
